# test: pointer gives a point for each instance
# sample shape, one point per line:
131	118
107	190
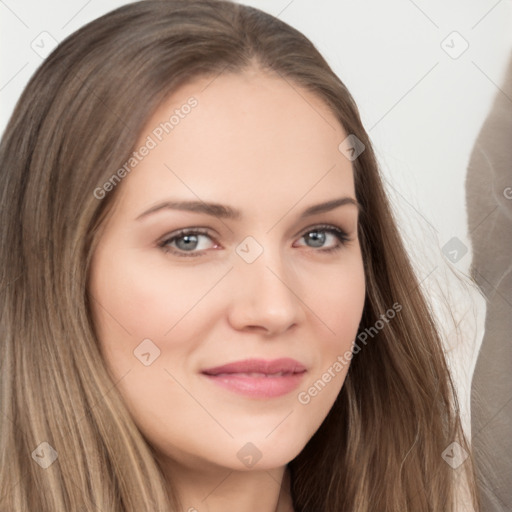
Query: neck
224	490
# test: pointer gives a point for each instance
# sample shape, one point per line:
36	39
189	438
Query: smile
258	378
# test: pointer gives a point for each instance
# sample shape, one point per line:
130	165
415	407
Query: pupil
316	238
190	242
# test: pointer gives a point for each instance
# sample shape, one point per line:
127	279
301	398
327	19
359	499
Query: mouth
258	378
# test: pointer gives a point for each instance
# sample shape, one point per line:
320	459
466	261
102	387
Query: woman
206	304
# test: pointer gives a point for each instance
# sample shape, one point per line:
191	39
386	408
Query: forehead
245	137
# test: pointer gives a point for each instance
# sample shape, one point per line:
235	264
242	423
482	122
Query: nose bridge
265	295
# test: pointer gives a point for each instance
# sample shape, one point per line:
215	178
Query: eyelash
341	235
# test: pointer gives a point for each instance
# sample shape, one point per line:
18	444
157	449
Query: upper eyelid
186	231
321	226
207	231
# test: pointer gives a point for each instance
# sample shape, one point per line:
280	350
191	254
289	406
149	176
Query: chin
267	452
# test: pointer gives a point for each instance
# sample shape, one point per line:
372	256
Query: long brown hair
379	449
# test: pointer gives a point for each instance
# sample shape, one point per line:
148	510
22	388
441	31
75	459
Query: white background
423	109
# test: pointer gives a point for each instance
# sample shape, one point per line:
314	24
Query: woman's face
268	278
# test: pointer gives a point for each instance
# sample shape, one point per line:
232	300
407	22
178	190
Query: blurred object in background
489	205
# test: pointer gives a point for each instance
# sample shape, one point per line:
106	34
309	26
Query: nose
265	296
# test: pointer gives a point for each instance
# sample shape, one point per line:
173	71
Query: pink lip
258	378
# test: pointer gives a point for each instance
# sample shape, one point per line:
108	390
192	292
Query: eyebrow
227	212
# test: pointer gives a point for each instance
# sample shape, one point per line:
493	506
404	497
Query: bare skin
254	144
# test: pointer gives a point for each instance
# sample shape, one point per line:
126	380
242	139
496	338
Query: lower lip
258	387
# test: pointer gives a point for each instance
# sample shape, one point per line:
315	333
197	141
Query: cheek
135	298
338	305
343	306
134	302
339	300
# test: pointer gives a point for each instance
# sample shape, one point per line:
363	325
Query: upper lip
283	365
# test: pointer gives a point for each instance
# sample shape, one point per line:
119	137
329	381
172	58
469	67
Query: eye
188	242
326	238
194	241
